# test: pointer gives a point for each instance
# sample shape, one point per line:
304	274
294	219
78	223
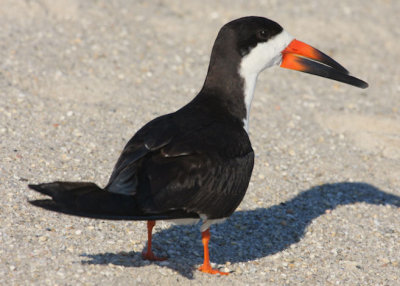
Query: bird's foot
152	257
208	269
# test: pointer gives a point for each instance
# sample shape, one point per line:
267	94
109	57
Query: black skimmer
196	163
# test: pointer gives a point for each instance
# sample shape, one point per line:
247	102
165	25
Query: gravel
77	79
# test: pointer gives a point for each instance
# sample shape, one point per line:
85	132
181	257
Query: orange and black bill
302	57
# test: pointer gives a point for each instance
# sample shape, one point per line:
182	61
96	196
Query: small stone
225	269
65	157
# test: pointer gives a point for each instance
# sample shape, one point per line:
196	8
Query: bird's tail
86	200
89	200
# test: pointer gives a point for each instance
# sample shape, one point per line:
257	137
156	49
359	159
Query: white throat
262	56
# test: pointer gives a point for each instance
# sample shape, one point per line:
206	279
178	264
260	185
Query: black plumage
193	160
190	160
197	160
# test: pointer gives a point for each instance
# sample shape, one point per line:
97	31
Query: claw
208	269
149	255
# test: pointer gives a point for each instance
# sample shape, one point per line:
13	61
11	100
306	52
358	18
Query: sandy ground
78	78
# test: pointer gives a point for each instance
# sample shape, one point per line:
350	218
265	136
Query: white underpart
262	56
186	221
206	223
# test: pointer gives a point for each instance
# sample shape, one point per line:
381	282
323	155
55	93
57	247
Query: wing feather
205	169
202	172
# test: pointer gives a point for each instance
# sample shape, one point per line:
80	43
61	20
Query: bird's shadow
273	229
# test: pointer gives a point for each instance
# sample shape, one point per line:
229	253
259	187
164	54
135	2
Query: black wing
205	172
204	168
151	137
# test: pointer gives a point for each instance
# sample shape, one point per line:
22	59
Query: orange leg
206	267
149	255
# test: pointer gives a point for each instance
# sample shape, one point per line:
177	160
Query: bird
195	164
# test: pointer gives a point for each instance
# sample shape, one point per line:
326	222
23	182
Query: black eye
263	35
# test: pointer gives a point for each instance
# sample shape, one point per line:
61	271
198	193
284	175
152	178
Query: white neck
262	56
249	87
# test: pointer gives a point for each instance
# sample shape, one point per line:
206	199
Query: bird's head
261	43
